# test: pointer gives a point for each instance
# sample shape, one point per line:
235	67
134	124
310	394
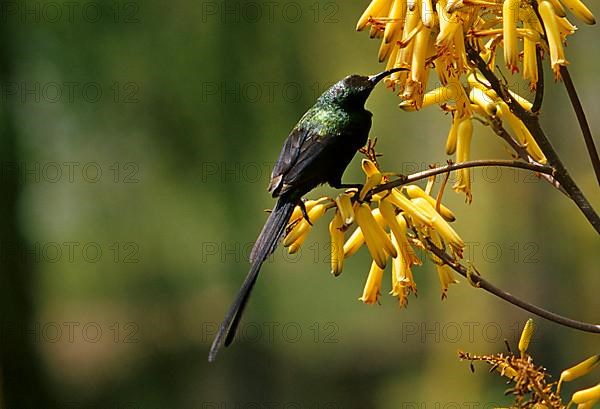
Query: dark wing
287	158
311	156
315	162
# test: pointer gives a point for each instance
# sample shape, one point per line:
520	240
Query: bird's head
354	90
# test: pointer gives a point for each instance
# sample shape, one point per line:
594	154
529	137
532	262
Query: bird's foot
304	212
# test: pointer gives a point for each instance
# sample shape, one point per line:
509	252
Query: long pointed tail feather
267	242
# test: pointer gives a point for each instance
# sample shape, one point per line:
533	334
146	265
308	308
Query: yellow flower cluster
402	220
422	37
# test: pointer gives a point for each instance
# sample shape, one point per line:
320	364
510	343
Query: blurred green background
137	140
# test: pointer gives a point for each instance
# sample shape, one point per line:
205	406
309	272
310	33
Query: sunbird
317	151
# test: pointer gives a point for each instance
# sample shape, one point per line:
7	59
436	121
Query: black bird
317	151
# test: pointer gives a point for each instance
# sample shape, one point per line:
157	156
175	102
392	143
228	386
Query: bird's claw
304	212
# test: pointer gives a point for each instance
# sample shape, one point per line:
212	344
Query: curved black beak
378	77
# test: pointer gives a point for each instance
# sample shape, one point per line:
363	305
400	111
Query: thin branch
481	282
583	123
532	123
546	170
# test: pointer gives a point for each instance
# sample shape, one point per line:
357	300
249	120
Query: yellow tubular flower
446	277
414	191
309	204
375	9
448	25
586	395
521	133
435	96
580	11
374	177
427	15
407	205
460	52
377	240
558	8
409	254
398	290
557	53
579	370
451	139
344	205
295	246
526	336
398	230
441	226
357	239
303	227
510	11
479	97
464	134
373	284
355	242
393	29
417	69
530	70
337	244
402	279
391	63
404	58
565	27
476	80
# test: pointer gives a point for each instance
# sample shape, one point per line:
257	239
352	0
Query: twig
583	123
546	170
481	282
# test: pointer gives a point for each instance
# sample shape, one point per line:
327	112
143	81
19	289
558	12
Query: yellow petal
586	395
357	239
344	205
393	29
549	18
464	134
451	139
414	191
337	244
373	285
407	205
446	277
377	240
427	14
510	13
521	133
580	11
376	8
581	369
374	177
558	8
303	227
441	226
479	97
